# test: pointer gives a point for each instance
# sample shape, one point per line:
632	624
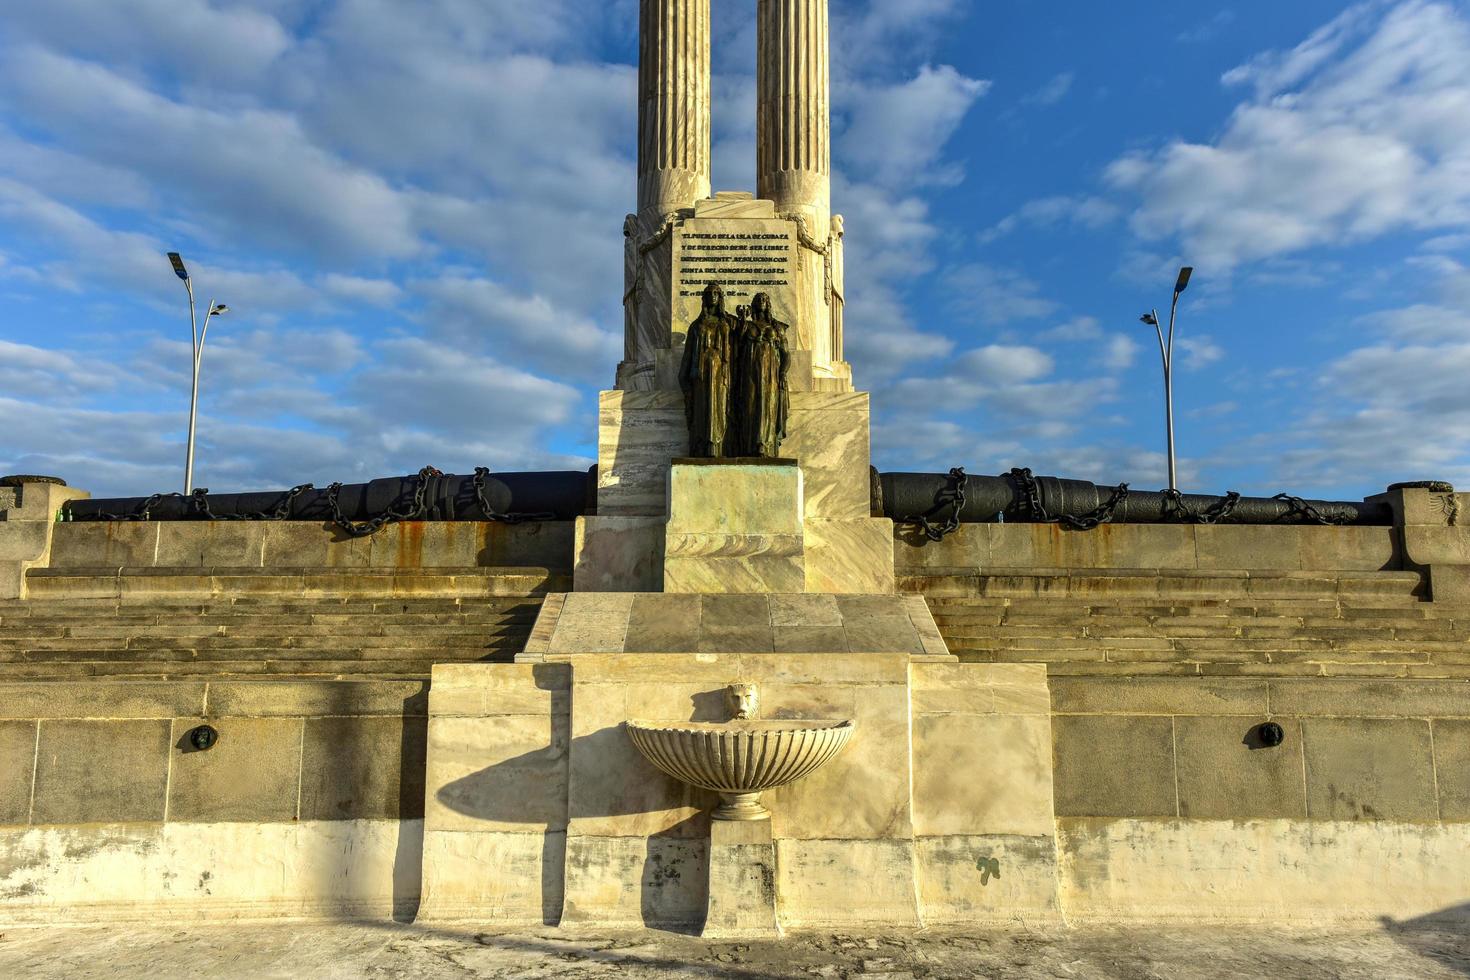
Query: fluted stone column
673	105
794	110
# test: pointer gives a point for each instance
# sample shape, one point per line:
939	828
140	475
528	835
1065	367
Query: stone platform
539	807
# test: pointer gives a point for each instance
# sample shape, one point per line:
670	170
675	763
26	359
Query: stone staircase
319	622
1151	622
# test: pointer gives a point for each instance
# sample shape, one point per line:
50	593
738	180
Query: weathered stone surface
496	774
1226	775
251	775
619	554
1006	786
1111	766
846	883
1281	871
829	435
17	767
965	879
1369	769
363	768
101	772
742	882
849	556
1452	768
734	528
110	699
525	885
623	881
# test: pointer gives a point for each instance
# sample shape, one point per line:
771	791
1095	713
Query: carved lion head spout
743	700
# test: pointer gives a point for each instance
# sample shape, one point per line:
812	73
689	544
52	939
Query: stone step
999	582
443	583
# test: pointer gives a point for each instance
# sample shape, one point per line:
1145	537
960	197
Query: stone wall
985	547
310	803
296	544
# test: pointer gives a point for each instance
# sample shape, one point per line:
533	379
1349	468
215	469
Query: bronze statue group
734	376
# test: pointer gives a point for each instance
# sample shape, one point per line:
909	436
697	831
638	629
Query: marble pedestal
735	526
622	548
742	881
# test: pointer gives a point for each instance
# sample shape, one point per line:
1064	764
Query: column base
742	881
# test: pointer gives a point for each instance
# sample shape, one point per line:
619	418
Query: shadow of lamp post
197	336
1166	350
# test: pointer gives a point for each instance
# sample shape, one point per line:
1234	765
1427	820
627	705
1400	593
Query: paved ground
391	951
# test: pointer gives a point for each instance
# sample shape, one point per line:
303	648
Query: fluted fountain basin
740	759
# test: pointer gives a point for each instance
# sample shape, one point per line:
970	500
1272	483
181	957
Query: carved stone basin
740	759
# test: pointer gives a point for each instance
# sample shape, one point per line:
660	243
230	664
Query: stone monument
734	336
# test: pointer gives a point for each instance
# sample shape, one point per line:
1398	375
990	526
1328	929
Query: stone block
1161	696
317	698
742	882
1452	768
1258	548
209	544
39	502
735	497
966	879
363	768
101	771
663	624
619	554
17	769
498	690
510	878
308	544
849	556
1371	697
1369	769
1450	583
639	433
829	433
96	544
617	882
1111	766
967	548
251	775
981	774
805	611
1364	549
871	777
846	883
492	775
1224	774
101	699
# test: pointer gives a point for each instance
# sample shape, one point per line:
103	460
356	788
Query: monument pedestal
623	548
735	526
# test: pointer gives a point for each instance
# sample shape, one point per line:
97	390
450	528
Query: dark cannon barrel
554	496
906	496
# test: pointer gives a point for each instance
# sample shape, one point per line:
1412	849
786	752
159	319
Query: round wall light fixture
203	738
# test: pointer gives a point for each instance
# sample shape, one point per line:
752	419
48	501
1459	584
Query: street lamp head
220	309
178	263
1183	282
1149	319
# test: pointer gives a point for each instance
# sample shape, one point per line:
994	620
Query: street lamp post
1166	350
196	335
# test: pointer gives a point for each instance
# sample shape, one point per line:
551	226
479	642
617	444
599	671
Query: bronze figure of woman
762	402
705	377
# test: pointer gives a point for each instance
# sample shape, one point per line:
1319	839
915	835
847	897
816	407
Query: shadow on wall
1443	936
610	779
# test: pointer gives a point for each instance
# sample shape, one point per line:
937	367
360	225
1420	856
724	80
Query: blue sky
415	212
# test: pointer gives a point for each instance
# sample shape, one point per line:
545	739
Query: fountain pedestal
742	881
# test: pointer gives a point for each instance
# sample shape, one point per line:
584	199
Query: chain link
1300	508
959	480
1175	510
482	475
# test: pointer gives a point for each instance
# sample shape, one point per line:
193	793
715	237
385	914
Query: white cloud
1199	352
1049	212
1208	30
1054	91
1119	352
897	132
995	296
1077	328
1362	130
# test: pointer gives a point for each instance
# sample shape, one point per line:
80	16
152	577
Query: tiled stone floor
394	951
